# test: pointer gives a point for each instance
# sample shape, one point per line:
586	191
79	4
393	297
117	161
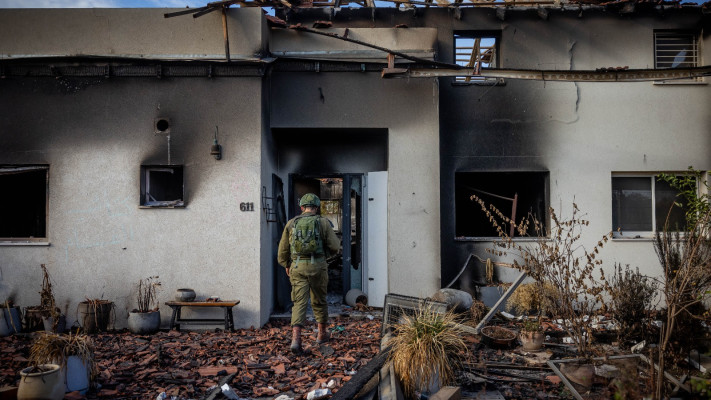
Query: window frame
145	202
20	240
543	192
697	54
473	80
637	235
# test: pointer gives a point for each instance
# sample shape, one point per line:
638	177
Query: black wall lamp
216	149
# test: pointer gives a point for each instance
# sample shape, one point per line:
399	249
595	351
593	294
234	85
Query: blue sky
121	3
101	3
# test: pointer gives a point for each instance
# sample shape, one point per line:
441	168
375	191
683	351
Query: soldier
304	245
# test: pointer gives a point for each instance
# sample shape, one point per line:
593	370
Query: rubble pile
254	362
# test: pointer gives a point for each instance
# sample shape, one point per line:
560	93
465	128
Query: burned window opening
476	51
530	189
642	204
23	210
162	186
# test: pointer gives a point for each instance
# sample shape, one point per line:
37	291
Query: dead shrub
533	297
559	259
631	298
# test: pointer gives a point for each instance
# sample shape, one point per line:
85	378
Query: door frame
346	226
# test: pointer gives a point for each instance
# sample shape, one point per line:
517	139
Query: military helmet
309	199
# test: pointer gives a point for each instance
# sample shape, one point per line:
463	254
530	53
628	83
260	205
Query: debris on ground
190	365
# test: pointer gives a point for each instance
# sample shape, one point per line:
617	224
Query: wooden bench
176	320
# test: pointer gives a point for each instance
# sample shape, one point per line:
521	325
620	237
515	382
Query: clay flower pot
94	315
580	373
532	340
498	337
41	382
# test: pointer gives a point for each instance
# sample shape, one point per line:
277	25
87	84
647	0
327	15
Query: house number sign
246	206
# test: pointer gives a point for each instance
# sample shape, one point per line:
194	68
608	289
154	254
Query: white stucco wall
95	138
409	110
138	33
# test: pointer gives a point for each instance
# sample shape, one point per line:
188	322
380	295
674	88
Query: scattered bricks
187	364
448	393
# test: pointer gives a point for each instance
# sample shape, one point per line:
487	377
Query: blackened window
162	186
23	205
514	194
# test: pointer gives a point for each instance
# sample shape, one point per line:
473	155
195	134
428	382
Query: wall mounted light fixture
216	149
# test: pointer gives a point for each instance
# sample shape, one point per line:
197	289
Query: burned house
133	145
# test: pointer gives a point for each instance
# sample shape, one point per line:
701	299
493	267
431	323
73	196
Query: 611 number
246	206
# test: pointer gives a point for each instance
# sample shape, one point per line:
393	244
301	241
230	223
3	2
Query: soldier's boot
323	334
296	339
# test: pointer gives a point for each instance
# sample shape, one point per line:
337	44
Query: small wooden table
176	320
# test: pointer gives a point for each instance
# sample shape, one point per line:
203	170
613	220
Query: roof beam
600	75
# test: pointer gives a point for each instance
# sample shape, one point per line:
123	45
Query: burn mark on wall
325	150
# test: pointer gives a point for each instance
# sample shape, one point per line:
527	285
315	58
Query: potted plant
52	318
95	314
74	354
531	335
144	319
427	350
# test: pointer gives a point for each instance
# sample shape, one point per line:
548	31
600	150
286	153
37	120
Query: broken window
475	51
162	186
23	206
641	204
515	194
676	50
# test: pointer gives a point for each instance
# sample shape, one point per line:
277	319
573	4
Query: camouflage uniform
308	278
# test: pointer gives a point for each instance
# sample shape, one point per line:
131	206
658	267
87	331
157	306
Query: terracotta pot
497	336
33	319
45	384
94	316
144	323
579	373
532	341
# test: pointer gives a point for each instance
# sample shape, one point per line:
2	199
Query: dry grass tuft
51	348
428	345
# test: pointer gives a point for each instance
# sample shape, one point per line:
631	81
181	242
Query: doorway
337	164
342	204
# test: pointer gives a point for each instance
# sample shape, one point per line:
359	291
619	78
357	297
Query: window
510	192
641	204
162	186
676	50
23	205
475	51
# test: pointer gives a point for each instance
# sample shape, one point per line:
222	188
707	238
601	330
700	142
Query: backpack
306	236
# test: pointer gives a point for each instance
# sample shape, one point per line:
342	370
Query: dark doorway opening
341	198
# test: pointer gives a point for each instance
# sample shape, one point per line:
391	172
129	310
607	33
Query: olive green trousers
309	280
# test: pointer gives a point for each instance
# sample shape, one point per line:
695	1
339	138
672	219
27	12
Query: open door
376	234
